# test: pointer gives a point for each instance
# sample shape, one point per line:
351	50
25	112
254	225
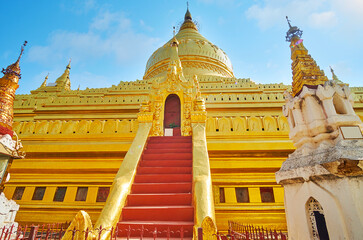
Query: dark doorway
321	225
172	112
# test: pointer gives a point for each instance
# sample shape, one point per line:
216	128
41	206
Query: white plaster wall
341	199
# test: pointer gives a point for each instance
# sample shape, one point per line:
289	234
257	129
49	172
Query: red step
168	156
181	187
164	170
161	195
174	139
163	163
159	199
161	227
169	150
168	145
158	213
162	178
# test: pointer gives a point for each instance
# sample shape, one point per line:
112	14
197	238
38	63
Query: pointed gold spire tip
69	63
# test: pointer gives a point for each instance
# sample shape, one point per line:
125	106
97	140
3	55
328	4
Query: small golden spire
8	86
69	63
188	21
63	82
187	15
44	84
14	69
174	41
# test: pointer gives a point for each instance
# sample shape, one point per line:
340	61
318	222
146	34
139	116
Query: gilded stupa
197	55
83	145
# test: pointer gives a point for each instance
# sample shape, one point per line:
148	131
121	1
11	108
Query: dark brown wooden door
172	111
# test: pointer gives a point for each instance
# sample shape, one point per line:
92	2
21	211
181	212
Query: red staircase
161	195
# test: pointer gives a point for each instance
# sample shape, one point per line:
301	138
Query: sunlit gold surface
202	182
209	229
122	183
8	86
82	223
76	138
197	55
305	71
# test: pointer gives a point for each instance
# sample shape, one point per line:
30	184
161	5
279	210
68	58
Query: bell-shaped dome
197	55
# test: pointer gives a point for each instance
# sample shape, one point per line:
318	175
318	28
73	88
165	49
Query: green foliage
173	125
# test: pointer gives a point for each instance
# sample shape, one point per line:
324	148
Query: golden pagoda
305	71
82	145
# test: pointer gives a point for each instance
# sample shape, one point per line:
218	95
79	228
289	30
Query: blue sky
110	41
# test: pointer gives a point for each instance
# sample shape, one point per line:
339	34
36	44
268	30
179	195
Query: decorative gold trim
190	61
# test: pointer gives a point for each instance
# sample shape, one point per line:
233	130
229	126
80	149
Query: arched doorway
172	113
317	220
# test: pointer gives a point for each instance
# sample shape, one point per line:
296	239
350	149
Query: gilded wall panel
224	125
82	127
69	127
96	126
41	127
55	127
269	124
254	124
283	123
124	126
211	125
17	127
28	128
110	126
239	124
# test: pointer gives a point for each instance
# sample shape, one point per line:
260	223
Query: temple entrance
317	220
172	114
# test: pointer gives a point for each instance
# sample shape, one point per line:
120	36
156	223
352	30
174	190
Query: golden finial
14	68
8	86
188	21
22	49
44	84
173	31
187	16
293	32
69	63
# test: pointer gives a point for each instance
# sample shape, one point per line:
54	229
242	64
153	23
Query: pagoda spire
174	56
63	81
188	21
175	69
44	84
305	71
8	86
336	79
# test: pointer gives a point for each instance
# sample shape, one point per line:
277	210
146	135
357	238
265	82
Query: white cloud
107	20
145	26
110	34
87	79
269	13
219	2
319	14
265	16
323	20
351	8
